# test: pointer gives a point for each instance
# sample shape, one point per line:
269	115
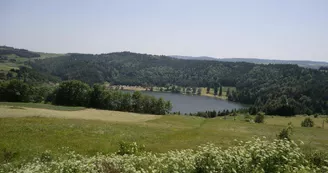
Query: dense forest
277	89
5	50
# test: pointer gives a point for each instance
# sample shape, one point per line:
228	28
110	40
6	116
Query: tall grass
258	155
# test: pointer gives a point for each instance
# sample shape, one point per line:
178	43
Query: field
31	129
15	61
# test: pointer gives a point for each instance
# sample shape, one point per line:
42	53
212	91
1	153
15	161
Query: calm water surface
192	104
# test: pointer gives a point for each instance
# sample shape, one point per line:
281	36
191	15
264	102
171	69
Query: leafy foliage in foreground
257	156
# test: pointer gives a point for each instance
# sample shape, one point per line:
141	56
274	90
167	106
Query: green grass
42	106
20	61
30	136
7	66
48	55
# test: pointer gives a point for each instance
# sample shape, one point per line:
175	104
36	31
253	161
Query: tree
160	108
220	92
168	106
252	110
15	91
72	93
208	90
228	92
199	91
40	93
137	102
215	91
97	96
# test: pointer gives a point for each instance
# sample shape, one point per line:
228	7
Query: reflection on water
192	104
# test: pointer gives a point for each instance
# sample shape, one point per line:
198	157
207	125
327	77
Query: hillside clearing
87	114
32	131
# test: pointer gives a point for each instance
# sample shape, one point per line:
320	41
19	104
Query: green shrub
286	133
308	122
259	118
8	155
130	148
46	156
248	118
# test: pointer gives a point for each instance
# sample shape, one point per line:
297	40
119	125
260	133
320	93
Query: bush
8	155
317	158
258	155
130	148
308	122
259	118
46	156
248	118
286	133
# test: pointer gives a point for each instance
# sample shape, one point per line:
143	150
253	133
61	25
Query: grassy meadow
29	129
14	61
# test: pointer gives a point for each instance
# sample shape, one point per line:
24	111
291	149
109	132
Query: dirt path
87	114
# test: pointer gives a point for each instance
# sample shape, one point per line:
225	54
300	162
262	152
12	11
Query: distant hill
270	86
5	50
13	58
307	64
194	57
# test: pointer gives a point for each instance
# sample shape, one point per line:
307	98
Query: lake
194	103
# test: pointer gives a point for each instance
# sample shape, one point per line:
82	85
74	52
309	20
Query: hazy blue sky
273	29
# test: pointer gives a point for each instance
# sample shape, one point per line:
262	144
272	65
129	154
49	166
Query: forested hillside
276	89
5	50
142	69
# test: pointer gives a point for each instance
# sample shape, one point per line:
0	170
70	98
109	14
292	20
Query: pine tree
228	92
220	92
208	90
215	91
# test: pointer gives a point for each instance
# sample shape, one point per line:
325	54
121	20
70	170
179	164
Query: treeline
4	50
323	68
275	89
77	93
214	113
19	91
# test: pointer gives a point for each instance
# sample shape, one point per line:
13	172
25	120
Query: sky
268	29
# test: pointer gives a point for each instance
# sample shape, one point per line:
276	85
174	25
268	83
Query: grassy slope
17	105
30	136
6	66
